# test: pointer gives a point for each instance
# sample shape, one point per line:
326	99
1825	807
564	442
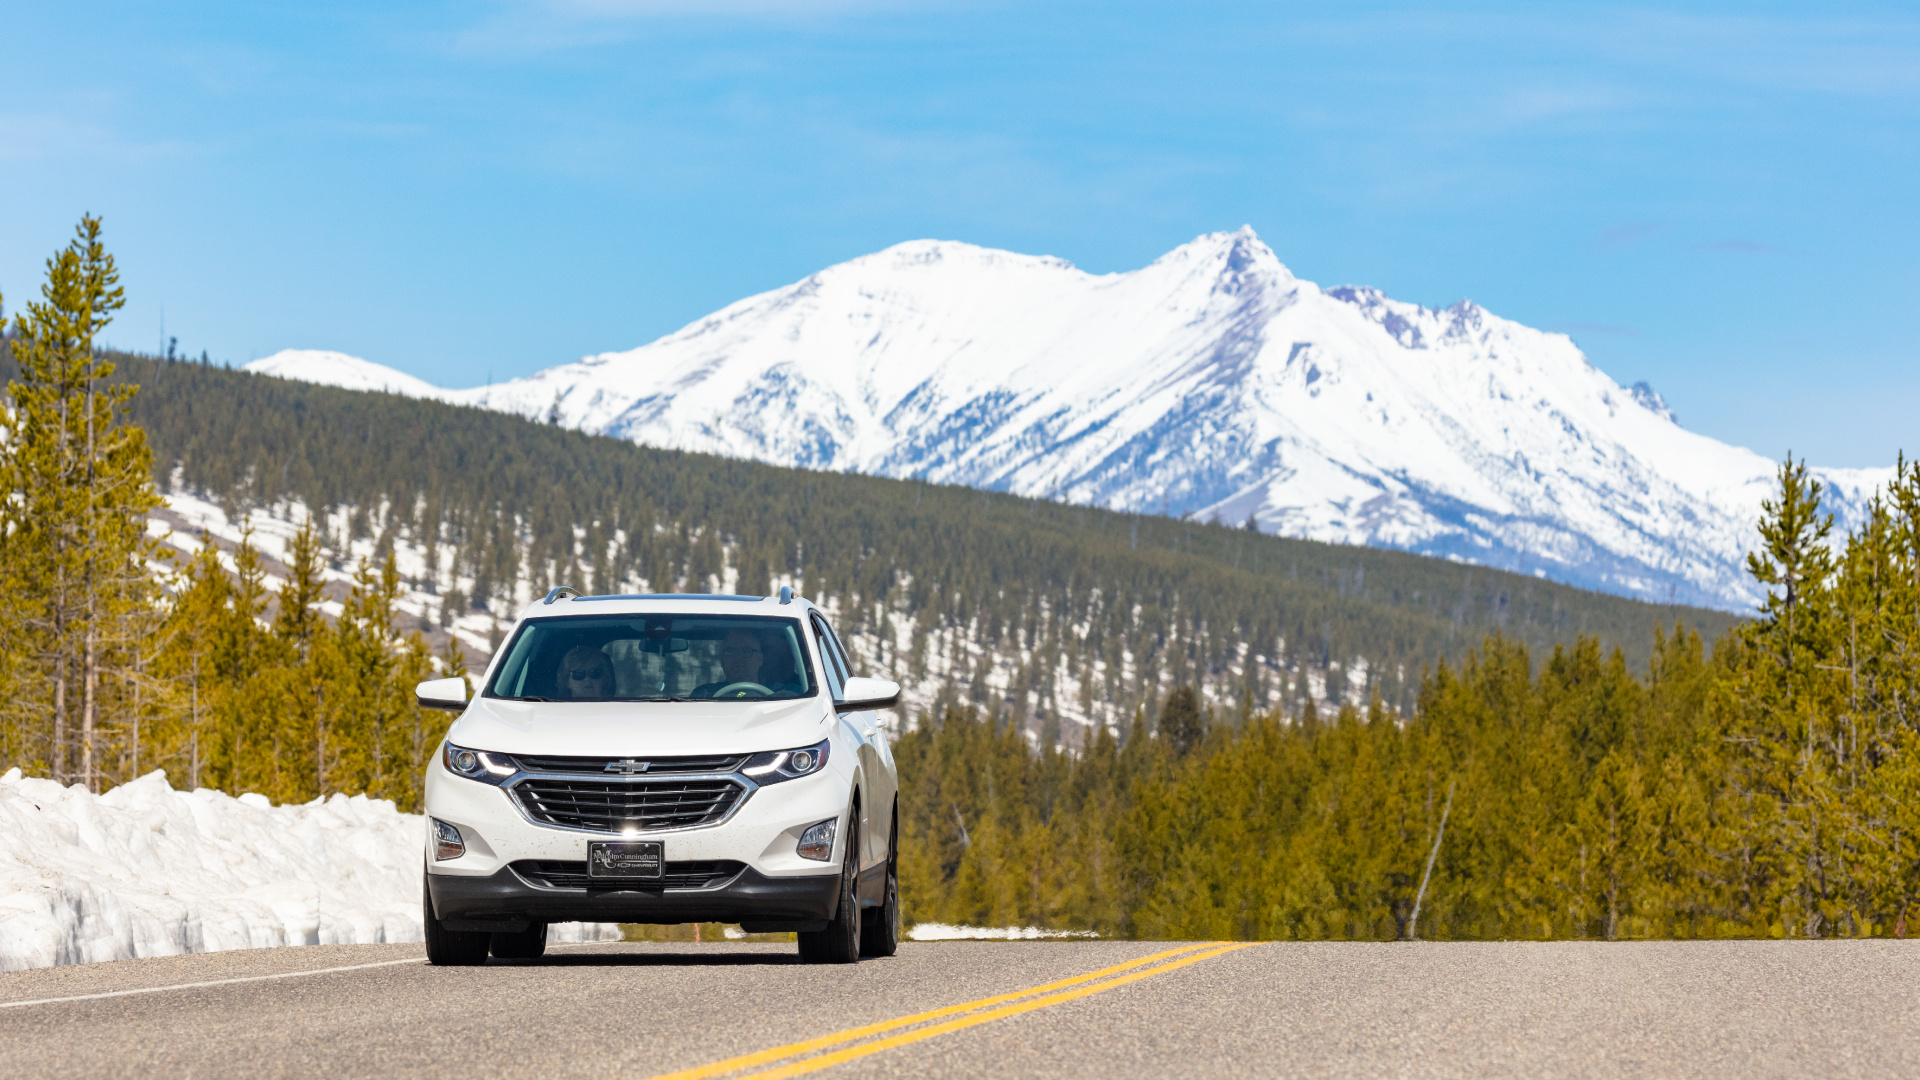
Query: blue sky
1718	198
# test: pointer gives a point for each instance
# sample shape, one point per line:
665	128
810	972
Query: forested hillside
1767	786
1052	614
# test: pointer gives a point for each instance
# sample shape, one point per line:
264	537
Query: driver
741	655
585	674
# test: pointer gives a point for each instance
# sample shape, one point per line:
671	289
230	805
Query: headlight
488	768
817	842
778	765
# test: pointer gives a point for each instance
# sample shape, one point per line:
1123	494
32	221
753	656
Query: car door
876	756
833	667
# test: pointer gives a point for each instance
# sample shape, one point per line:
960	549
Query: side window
830	663
839	653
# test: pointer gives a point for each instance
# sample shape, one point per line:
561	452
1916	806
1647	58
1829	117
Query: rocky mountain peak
1211	381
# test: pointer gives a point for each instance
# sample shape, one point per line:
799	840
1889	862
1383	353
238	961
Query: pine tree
1796	563
1780	707
222	662
1876	669
74	541
1181	724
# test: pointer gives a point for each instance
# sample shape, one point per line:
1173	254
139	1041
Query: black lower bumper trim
503	899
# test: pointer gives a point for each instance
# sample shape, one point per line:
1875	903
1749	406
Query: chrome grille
595	766
615	806
558	874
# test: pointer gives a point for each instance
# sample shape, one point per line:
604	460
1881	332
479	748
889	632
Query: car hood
638	729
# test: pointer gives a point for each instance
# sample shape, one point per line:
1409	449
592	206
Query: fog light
817	842
447	843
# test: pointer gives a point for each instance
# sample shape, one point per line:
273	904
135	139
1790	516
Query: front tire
528	944
880	927
450	948
839	943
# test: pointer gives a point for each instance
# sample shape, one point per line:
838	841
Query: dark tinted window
836	678
654	658
840	657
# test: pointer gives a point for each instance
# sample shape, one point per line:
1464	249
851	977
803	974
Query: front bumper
506	901
762	832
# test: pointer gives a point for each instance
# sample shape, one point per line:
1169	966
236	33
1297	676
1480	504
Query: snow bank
145	870
933	931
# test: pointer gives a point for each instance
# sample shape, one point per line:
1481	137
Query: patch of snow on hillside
188	517
145	870
933	663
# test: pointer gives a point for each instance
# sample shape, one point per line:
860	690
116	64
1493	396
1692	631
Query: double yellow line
966	1015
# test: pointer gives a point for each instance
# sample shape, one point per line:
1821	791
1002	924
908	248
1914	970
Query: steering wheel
743	688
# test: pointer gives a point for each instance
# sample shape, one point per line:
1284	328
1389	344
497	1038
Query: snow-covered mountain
339	369
1212	382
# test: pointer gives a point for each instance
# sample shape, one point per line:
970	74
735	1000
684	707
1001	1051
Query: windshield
654	658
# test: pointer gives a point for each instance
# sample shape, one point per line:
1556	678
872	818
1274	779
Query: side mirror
868	694
448	694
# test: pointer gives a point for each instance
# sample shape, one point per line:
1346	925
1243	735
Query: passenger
585	674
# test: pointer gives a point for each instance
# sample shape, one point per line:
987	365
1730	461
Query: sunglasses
584	674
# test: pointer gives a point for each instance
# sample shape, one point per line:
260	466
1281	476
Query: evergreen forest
1135	725
1030	609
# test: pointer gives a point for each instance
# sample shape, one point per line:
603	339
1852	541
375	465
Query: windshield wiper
535	697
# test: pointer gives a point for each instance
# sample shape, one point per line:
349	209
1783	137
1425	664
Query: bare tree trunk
62	669
379	778
193	733
135	774
57	754
1613	872
1413	922
91	673
320	742
88	703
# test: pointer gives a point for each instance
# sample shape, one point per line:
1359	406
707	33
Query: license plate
630	860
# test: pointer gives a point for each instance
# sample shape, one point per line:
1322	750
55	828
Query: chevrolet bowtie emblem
626	766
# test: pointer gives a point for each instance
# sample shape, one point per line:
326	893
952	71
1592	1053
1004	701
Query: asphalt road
1739	1009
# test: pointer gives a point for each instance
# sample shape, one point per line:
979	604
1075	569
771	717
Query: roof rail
671	596
560	592
786	594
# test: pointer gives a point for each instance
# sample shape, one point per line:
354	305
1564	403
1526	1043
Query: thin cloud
1627	234
45	137
531	27
647	9
1532	104
1838	55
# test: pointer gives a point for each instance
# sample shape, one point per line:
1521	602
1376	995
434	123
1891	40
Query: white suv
663	759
